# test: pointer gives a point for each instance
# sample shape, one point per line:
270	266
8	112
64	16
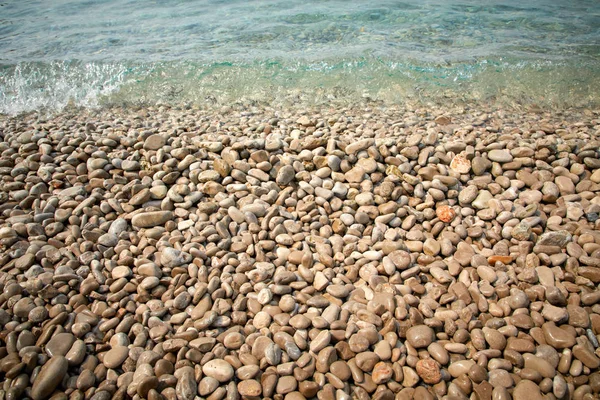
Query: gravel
398	253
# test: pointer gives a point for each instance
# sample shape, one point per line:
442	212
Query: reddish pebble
382	372
503	259
429	371
445	213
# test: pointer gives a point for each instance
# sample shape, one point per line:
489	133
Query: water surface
94	53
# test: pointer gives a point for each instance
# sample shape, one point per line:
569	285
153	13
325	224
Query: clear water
103	52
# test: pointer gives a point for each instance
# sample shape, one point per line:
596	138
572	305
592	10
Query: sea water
96	53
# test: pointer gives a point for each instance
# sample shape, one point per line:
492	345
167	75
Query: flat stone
556	238
501	156
60	344
155	142
359	145
25	261
150	219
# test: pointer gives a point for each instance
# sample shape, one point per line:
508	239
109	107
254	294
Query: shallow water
93	53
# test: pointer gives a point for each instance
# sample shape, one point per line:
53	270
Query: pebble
49	377
151	219
250	388
293	255
219	369
429	371
60	344
420	336
115	357
502	156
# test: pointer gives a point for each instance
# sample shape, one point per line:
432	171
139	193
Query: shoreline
241	251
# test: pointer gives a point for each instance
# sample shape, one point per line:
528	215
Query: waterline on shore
55	85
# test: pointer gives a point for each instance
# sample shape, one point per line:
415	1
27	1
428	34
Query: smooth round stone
366	360
60	344
233	340
527	390
341	370
400	258
358	343
172	258
540	365
76	354
439	353
495	339
207	386
151	218
285	175
557	337
468	194
221	370
262	319
500	378
22	307
482	200
477	373
501	156
286	384
146	384
155	142
121	272
458	368
420	336
49	377
108	240
115	357
249	388
186	388
299	321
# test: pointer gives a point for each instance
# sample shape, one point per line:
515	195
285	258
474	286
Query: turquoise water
94	53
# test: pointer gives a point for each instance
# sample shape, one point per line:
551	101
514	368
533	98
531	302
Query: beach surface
244	251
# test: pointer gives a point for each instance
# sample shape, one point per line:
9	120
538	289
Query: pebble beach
362	252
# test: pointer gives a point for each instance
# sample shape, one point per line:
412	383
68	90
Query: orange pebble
445	213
